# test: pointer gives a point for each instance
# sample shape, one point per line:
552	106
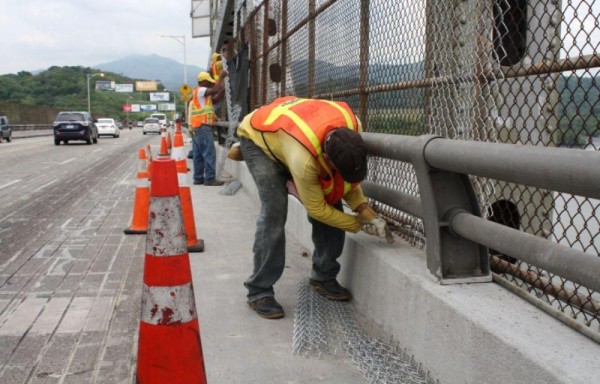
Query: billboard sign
103	85
166	107
159	96
126	107
147	107
146	86
135	108
123	87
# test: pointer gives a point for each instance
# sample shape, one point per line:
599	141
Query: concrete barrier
463	333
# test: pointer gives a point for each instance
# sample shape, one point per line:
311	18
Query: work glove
374	225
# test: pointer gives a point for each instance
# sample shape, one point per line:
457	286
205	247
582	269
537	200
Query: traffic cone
163	136
178	154
169	346
169	143
163	146
149	157
139	221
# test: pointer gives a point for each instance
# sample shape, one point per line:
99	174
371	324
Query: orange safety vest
215	71
201	115
309	121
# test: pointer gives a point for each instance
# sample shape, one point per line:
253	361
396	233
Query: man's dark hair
347	150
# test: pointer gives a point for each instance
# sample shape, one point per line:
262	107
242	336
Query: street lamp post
181	40
129	107
88	88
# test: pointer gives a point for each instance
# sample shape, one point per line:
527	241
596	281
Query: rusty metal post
311	48
364	62
265	58
253	64
284	45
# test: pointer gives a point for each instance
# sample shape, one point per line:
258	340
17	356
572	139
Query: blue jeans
205	155
269	241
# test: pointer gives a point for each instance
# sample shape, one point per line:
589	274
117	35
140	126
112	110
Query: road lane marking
11	183
96	150
75	318
68	161
25	315
53	312
100	314
44	186
66	223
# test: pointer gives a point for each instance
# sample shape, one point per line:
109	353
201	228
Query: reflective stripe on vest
202	115
286	113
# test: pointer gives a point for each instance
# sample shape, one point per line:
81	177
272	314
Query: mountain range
153	67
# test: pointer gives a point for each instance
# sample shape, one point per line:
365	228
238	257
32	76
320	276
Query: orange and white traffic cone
139	221
178	154
164	136
169	347
149	157
163	147
169	143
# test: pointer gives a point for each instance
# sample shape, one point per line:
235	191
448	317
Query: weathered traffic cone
149	157
169	347
178	154
163	147
169	143
139	221
163	136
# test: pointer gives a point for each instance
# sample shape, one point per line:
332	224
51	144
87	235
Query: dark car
75	126
5	129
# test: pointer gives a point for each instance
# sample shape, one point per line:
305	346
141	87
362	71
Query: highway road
70	281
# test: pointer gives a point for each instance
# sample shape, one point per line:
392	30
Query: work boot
331	289
267	307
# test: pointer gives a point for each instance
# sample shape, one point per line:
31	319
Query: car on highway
140	123
108	127
151	125
5	129
69	126
162	119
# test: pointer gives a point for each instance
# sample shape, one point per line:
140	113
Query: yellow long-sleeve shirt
305	172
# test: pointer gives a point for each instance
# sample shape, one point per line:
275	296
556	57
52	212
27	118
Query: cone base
170	354
129	231
196	247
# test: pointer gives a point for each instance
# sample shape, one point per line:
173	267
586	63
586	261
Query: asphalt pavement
70	280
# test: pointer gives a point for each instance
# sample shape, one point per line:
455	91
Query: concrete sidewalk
240	347
456	333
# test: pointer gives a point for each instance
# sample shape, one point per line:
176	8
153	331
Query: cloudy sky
37	34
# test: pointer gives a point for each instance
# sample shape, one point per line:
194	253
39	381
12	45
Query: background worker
316	145
216	66
201	120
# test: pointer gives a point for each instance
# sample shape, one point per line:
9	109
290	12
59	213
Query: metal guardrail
30	127
505	71
457	235
442	167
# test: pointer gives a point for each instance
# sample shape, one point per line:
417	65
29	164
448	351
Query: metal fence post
450	258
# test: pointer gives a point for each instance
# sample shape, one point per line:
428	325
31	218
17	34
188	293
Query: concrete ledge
464	333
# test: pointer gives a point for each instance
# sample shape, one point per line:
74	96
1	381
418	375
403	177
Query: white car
108	127
162	119
151	126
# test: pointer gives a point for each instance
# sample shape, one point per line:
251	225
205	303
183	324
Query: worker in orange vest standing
216	66
201	120
314	150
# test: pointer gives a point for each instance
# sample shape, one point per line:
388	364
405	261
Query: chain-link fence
508	71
